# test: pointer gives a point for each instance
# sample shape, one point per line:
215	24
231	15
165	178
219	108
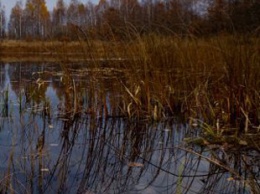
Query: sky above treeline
9	4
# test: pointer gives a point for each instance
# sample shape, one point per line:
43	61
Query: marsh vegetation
115	126
154	103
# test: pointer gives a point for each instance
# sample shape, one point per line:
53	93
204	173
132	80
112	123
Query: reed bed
215	80
147	92
212	82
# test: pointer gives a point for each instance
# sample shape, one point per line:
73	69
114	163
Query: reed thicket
216	79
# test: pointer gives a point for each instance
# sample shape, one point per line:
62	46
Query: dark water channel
49	147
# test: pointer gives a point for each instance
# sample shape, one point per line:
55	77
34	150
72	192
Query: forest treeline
123	19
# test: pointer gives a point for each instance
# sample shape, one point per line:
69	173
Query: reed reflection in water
49	145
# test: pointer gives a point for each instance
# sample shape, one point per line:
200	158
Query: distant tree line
122	19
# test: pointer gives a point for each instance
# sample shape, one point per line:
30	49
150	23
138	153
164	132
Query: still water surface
49	146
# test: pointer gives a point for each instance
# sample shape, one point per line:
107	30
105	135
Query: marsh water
54	142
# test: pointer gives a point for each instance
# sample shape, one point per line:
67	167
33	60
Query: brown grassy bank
11	51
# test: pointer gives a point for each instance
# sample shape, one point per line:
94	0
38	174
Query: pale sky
9	4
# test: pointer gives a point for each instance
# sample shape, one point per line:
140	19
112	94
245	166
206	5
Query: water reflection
56	140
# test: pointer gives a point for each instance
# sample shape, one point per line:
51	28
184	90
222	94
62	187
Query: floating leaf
45	170
242	142
135	164
166	130
230	179
54	144
194	124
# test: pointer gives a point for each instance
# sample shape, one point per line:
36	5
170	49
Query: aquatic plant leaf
45	170
135	164
242	142
230	179
136	100
129	109
166	130
138	89
54	144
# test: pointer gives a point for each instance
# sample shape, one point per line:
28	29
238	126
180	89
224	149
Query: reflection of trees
22	74
94	152
2	75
